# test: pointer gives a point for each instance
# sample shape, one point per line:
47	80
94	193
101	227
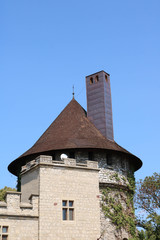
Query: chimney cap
98	73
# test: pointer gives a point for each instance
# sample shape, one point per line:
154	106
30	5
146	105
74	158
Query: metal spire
73	92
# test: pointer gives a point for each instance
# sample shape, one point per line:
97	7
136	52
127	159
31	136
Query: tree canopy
147	201
3	192
148	193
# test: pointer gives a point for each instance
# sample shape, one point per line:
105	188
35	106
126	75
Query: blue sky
47	46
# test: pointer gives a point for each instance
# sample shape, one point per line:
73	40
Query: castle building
71	175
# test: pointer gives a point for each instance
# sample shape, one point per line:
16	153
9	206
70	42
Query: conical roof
70	130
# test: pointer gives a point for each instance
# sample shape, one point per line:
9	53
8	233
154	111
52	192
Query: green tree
3	192
147	201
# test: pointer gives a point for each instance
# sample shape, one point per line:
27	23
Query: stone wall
20	228
57	181
112	176
29	184
21	219
79	181
115	179
69	181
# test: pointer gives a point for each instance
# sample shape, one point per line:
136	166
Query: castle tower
92	179
99	103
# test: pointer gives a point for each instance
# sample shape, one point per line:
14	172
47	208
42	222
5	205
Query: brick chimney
99	104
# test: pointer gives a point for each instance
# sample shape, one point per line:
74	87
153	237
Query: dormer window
91	80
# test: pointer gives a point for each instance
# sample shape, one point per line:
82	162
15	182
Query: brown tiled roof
70	130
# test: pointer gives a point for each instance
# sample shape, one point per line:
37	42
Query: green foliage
131	180
148	201
147	198
148	193
3	192
124	179
113	209
115	176
152	228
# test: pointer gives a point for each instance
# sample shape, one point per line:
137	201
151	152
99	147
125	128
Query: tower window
71	154
68	210
91	80
106	78
97	78
109	159
90	155
53	156
122	163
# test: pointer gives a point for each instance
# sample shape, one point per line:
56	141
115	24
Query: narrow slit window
97	78
106	77
53	156
123	166
90	155
91	80
109	159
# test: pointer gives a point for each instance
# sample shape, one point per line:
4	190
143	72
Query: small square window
64	203
70	203
4	229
